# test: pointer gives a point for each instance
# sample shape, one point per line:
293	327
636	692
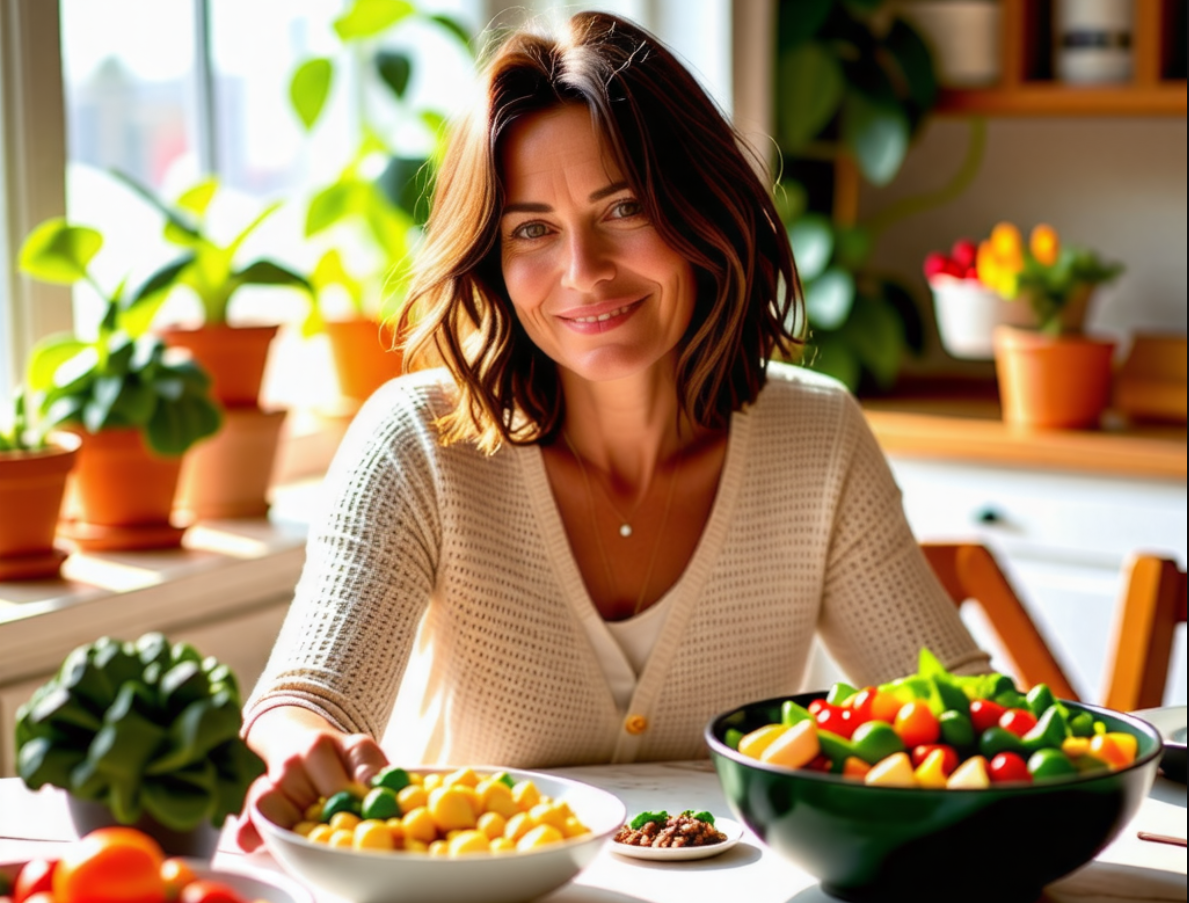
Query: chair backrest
1150	607
969	572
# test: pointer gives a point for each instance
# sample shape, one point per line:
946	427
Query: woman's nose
588	262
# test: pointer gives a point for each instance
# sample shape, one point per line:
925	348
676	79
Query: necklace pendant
625	530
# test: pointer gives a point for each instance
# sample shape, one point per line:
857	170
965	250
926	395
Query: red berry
935	264
964	253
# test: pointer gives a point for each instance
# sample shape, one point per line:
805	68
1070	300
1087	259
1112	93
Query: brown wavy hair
695	178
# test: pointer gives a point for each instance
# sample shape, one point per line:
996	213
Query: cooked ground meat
678	831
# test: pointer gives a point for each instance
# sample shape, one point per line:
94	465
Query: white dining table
1129	870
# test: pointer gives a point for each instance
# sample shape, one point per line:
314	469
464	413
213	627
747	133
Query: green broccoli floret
645	817
700	816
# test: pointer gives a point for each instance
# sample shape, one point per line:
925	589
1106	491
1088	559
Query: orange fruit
111	865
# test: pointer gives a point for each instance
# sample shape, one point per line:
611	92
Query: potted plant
1051	374
33	472
136	409
142	733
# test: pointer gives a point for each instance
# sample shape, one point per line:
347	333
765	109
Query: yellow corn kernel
439	848
931	772
464	776
891	771
541	835
450	809
496	796
415	777
396	828
358	790
518	825
753	744
525	795
341	838
411	797
413	845
304	828
502	845
572	827
795	747
419	825
344	821
970	775
492	824
320	833
314	810
471	795
372	834
547	814
432	781
471	841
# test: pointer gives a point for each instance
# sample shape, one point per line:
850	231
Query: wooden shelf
1027	86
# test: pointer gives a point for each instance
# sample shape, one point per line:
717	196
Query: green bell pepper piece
1010	699
1049	763
380	803
995	740
999	683
791	713
732	737
840	692
343	801
396	778
1082	725
951	697
835	748
957	730
875	740
1050	731
1039	698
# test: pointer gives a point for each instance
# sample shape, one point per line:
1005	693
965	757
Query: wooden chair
969	572
1150	607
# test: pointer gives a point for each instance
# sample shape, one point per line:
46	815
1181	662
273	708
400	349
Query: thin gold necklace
625	523
598	540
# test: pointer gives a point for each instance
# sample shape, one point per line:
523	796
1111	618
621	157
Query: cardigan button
635	724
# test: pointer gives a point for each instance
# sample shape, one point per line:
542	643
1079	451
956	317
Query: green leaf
454	27
875	334
58	252
394	69
266	272
830	298
51	353
809	87
800	20
178	228
134	405
852	246
309	88
330	205
196	200
812	238
366	18
250	228
97	413
915	62
877	134
138	313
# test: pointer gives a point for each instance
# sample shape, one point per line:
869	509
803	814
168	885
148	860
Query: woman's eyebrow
533	207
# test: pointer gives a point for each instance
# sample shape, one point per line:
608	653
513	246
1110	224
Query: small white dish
727	826
256	885
1170	722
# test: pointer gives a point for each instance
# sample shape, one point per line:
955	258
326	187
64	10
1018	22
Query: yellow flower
1009	246
1045	244
1000	276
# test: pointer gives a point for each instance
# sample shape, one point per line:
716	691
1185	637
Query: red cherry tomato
1007	767
111	864
860	704
916	724
873	704
836	720
820	763
985	714
204	891
816	706
949	760
36	875
1018	721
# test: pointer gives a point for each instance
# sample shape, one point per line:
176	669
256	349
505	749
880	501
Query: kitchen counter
960	421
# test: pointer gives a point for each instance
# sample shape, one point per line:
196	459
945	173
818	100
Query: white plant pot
1093	41
967	314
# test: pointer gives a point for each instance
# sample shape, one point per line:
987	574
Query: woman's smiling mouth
601	321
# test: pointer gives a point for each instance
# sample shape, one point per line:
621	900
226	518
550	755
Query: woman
608	517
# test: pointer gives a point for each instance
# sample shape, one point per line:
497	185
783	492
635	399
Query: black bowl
1002	844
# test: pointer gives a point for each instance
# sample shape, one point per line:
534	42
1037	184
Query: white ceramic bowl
399	877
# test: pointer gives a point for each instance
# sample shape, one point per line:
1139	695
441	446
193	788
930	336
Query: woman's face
592	282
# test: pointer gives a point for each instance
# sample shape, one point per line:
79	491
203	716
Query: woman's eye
625	209
530	230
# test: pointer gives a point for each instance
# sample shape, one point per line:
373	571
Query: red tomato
916	724
949	760
203	891
816	706
111	865
820	763
873	704
176	874
1018	721
836	720
1007	767
985	714
35	876
860	704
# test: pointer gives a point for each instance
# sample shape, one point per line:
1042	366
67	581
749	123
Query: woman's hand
307	758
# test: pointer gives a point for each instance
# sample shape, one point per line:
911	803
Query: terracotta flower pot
228	475
1061	381
364	358
121	494
32	486
234	356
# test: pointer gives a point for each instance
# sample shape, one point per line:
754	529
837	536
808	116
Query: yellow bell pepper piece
892	771
931	772
754	743
970	775
795	747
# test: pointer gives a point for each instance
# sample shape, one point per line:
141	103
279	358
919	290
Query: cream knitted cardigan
447	575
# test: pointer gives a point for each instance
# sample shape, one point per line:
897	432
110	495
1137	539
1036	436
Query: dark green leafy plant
145	728
853	86
122	377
